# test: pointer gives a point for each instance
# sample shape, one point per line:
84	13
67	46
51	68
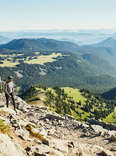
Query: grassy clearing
43	59
77	97
71	92
111	118
10	56
75	94
8	64
8	60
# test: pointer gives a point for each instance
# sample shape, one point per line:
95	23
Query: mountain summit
40	44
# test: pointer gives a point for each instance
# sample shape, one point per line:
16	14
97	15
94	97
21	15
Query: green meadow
7	60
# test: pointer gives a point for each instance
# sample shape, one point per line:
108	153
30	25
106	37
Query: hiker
9	92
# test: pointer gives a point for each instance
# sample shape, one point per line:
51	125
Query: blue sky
57	14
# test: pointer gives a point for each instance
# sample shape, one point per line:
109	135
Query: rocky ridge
36	131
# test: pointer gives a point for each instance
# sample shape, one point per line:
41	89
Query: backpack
3	87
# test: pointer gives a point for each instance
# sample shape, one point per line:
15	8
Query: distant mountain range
105	50
81	37
109	42
3	39
40	44
58	63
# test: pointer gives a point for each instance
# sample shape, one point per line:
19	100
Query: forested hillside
54	63
82	104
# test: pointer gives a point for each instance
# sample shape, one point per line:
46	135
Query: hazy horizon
60	30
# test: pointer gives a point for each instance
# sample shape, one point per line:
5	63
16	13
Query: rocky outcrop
103	124
36	131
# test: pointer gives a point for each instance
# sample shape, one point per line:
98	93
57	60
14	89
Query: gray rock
8	148
99	130
54	116
22	133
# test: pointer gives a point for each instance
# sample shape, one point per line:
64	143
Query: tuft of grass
36	134
3	127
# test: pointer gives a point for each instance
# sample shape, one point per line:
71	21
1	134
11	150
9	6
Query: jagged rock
44	107
22	133
14	121
21	105
60	145
71	144
43	132
55	153
46	151
60	123
99	130
23	123
28	149
104	153
113	138
51	131
113	149
54	116
38	154
8	148
103	124
8	110
36	133
69	117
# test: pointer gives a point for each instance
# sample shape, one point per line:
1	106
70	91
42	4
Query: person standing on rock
9	92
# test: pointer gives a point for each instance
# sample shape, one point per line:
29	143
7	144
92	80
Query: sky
57	14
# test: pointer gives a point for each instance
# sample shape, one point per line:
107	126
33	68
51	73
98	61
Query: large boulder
8	148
